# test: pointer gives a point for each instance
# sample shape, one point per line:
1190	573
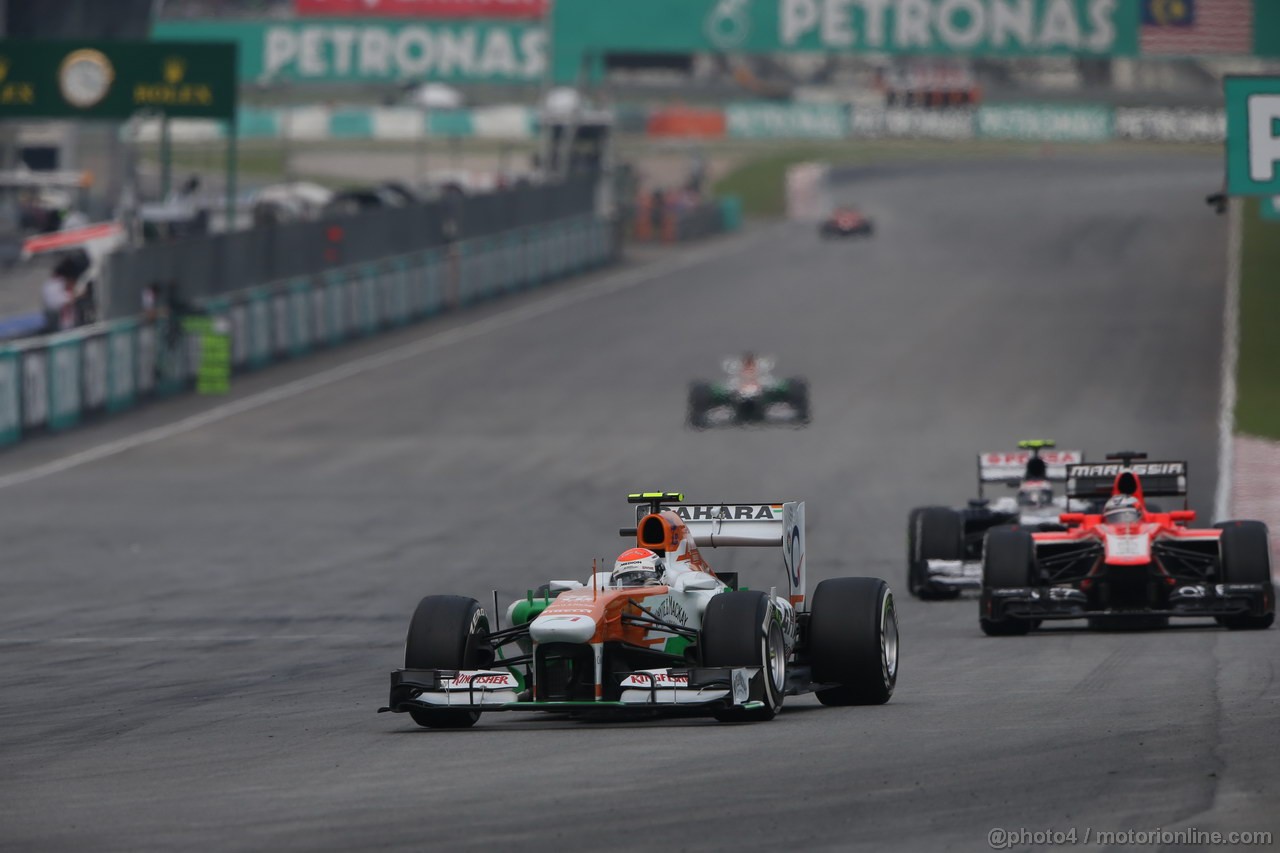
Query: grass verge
1258	371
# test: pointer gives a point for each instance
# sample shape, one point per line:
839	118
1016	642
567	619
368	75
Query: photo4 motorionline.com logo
1001	838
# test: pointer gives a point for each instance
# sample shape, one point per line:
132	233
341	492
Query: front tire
939	536
853	641
1008	560
1246	558
448	632
738	630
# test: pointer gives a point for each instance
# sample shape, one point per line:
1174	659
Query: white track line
434	341
99	641
1230	355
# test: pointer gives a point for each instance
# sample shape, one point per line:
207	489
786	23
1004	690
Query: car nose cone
562	628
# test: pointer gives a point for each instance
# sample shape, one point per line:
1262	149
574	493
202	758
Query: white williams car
944	544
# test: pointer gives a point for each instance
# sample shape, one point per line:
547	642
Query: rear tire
1008	560
940	536
700	400
853	641
798	397
1246	558
447	632
738	630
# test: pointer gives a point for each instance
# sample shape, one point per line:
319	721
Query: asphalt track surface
195	632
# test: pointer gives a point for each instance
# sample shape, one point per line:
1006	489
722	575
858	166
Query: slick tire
447	632
1008	560
939	536
739	630
915	569
1246	558
798	397
700	400
853	641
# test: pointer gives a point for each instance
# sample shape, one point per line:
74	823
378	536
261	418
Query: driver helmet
637	567
1035	494
1122	509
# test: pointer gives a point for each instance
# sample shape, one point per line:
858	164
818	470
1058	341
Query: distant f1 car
944	545
1127	565
659	633
749	394
846	222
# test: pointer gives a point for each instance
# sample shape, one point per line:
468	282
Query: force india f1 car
944	545
1127	565
687	640
750	394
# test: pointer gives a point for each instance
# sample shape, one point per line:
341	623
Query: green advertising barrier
64	383
94	368
466	276
213	372
10	397
317	300
366	287
144	356
395	292
282	336
1253	135
259	328
1034	122
373	50
335	305
430	283
731	213
786	121
536	254
301	325
587	30
122	370
172	355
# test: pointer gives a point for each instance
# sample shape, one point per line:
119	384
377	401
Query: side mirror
1070	518
1182	516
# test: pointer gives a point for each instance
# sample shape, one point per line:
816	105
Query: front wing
1191	601
957	574
711	688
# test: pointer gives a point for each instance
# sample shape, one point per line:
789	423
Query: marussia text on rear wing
1096	480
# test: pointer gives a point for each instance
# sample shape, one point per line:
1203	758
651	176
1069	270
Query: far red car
846	222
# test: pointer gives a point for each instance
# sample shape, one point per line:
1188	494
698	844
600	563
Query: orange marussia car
658	632
1127	565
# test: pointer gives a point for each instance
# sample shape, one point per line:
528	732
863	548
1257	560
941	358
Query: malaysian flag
1197	27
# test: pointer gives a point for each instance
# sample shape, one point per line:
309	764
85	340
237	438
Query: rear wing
738	525
1010	466
1095	480
997	466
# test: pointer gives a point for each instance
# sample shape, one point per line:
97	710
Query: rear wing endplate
1095	480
